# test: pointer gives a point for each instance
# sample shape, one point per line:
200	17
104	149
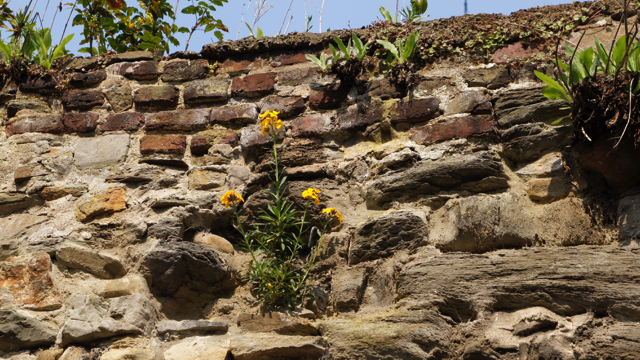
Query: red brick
456	128
144	70
183	120
330	98
82	99
84	80
36	123
254	85
237	67
79	122
415	111
203	141
185	70
289	59
235	114
167	144
128	121
156	96
312	125
288	106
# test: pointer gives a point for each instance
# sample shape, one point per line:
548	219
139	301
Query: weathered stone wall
472	227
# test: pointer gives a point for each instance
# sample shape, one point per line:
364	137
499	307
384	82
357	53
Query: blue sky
338	14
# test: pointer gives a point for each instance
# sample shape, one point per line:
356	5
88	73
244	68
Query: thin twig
242	18
629	115
68	19
175	13
321	12
289	23
285	17
55	13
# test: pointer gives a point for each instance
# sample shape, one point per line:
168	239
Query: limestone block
128	285
277	322
98	263
261	346
101	151
200	179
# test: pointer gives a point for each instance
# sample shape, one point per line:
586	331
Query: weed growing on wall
278	273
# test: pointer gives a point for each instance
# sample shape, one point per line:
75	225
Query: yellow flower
312	193
229	197
333	212
270	122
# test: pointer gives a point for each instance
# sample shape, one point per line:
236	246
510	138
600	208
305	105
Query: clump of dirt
404	76
601	108
348	71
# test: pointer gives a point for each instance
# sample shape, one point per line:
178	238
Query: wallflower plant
278	273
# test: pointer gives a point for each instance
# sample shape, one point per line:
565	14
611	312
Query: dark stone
415	111
145	70
174	265
242	114
85	80
43	84
359	116
289	59
185	70
207	90
203	141
491	78
311	125
17	332
330	98
430	177
384	89
181	120
191	326
235	67
188	55
528	142
527	105
382	236
82	99
36	123
619	165
156	96
456	128
287	106
79	122
129	57
128	121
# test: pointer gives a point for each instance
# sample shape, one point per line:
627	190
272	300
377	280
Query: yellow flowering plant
278	272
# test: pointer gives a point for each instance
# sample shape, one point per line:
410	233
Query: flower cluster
312	194
229	197
270	123
333	212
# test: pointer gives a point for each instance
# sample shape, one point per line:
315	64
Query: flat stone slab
101	151
187	326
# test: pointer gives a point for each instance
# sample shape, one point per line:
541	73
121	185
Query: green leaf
250	29
343	48
603	56
189	10
313	59
554	90
389	46
259	33
334	53
618	51
59	51
561	120
409	46
385	14
587	60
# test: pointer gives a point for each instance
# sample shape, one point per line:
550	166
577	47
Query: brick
203	141
289	59
288	106
85	80
185	70
236	67
165	144
82	99
330	98
415	111
156	96
101	151
456	128
182	120
309	126
254	85
235	114
36	123
207	90
145	70
129	56
79	122
42	84
360	116
129	121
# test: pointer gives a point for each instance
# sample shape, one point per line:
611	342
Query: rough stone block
203	141
383	88
36	123
156	96
548	190
288	106
20	331
235	114
99	264
330	98
382	236
35	105
129	285
175	144
191	326
85	80
474	102
128	121
79	122
251	136
311	125
277	322
43	84
491	78
359	116
50	193
206	90
255	85
551	164
415	111
129	56
105	202
145	70
82	99
456	128
29	281
12	202
629	218
26	172
206	179
235	67
347	288
181	120
289	59
185	70
101	151
118	94
527	142
525	106
263	346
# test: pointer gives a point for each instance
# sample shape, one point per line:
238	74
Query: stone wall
473	228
